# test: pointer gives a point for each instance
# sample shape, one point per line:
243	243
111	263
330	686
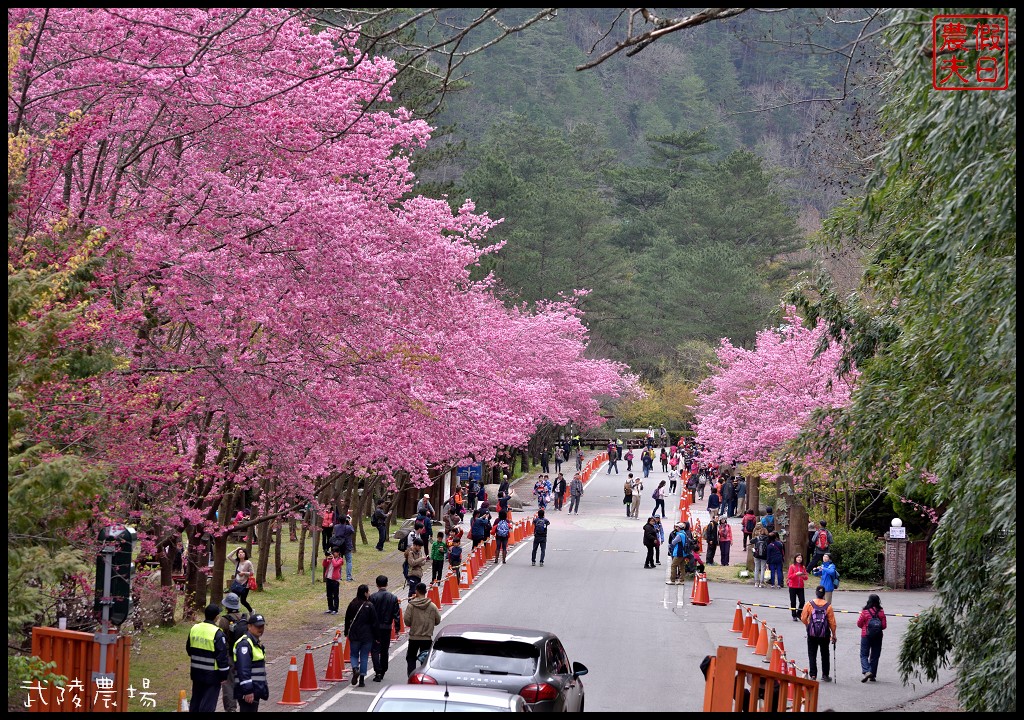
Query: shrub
855	553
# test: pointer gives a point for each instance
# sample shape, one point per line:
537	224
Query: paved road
640	638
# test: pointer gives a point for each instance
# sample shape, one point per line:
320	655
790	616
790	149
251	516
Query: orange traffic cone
466	574
182	702
291	686
792	673
446	590
746	625
762	640
702	597
693	588
308	679
752	637
346	657
401	621
782	647
776	658
434	596
335	665
453	581
737	618
489	549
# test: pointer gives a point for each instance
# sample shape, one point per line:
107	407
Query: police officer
251	667
228	622
207	645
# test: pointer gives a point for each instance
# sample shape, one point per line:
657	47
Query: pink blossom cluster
758	400
284	306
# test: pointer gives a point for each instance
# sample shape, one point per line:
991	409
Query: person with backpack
234	624
502	529
389	615
659	498
795	578
638	488
821	627
768	520
822	542
540	537
629	459
344	540
455	554
702	483
760	550
627	494
379	520
872	623
711	537
679	549
829	575
663	456
747	526
575	493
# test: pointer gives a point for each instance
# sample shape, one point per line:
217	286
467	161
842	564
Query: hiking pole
835	669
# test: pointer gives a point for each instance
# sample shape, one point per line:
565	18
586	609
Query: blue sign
470	473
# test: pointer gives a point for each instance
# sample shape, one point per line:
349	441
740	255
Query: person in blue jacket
251	667
828	574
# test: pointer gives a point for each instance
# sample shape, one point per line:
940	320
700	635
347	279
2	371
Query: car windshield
438	705
484	657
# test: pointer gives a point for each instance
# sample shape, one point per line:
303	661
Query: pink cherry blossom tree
284	309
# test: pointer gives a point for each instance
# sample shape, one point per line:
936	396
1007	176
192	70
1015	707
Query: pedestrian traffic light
117	543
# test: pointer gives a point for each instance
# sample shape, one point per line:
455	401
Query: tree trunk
220	551
301	564
195	582
168	597
754	494
292	530
278	561
265	537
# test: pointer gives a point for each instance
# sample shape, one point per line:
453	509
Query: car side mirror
578	669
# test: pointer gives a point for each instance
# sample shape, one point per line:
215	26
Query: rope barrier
852	612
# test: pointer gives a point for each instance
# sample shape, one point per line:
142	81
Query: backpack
748	524
761	548
822	540
501	529
403	544
818	626
874	626
655	494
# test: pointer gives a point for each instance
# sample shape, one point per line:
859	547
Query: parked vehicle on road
529	663
440	698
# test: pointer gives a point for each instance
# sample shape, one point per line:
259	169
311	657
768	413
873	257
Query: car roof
495	633
456	693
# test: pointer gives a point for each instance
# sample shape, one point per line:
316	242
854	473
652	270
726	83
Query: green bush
855	553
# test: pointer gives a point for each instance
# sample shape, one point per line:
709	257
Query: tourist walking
388	610
714	504
629	459
872	623
575	493
659	498
627	494
540	537
345	539
822	542
416	556
613	459
360	623
558	490
679	548
741	493
711	538
817	615
659	540
747	525
421	617
545	456
673	479
502	529
244	576
438	551
579	461
379	520
795	578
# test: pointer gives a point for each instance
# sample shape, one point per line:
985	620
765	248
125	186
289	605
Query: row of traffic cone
758	639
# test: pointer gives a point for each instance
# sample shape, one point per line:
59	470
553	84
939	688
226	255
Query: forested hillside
653	182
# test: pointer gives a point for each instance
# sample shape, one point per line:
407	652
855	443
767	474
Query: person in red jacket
724	539
871	623
795	582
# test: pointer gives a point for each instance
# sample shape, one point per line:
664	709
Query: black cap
257	620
